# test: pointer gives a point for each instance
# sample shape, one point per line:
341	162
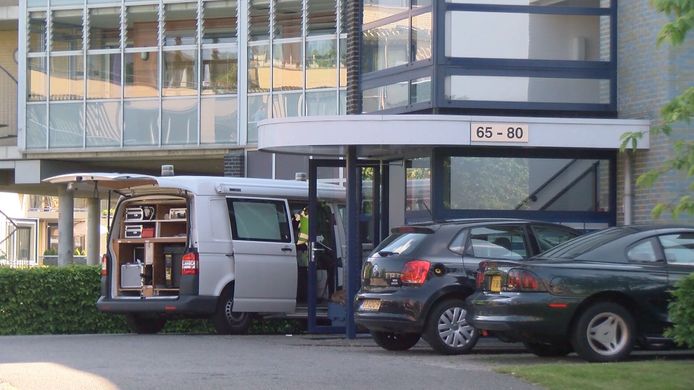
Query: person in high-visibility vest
302	218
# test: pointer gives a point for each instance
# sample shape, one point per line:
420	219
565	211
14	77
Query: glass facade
150	74
397	45
497	55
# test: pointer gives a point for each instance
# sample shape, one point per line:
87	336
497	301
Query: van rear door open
265	264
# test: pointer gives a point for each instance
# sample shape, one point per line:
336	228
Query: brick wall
234	164
648	77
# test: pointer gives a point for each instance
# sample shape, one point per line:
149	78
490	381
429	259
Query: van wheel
395	341
447	330
227	321
144	325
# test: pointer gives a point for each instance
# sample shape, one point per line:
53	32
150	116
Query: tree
678	110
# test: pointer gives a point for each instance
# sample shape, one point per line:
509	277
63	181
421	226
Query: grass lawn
649	375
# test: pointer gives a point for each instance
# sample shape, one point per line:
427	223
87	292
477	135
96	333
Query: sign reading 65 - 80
498	132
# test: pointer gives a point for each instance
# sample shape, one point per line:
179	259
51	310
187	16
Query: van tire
395	341
144	325
227	321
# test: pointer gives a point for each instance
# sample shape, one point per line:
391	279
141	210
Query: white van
217	247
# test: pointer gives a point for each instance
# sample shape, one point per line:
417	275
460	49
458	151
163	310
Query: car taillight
415	272
522	280
189	263
104	265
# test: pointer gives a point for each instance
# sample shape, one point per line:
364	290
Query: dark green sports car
597	294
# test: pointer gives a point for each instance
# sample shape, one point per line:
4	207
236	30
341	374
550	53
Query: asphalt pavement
166	361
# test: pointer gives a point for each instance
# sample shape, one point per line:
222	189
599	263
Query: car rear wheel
227	321
395	341
604	333
447	331
548	349
144	325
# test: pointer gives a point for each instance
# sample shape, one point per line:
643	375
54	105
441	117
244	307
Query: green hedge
53	300
61	300
681	311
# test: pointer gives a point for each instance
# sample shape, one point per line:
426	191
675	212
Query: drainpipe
627	187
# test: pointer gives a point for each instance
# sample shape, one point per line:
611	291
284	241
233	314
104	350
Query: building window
66	31
142	25
528	89
527	36
219	22
104	28
532	184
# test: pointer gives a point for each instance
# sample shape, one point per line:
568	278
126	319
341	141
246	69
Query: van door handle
286	249
230	254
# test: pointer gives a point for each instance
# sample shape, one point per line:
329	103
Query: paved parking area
250	362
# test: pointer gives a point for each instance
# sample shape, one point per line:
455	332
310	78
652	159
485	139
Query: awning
392	136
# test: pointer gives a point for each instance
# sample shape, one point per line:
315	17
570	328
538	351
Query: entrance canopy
397	136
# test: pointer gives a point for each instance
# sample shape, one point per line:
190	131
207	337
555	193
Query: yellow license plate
371	305
495	285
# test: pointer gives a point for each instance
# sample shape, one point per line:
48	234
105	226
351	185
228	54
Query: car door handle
286	249
230	254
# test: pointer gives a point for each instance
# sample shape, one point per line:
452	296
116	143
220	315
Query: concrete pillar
93	230
66	225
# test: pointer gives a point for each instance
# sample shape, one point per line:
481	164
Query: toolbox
177	213
142	213
133	231
131	275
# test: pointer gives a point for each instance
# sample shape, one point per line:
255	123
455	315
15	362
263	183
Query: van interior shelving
152	237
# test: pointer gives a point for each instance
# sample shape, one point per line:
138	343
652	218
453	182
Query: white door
265	267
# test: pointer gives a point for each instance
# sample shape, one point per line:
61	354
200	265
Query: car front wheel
447	331
395	341
604	333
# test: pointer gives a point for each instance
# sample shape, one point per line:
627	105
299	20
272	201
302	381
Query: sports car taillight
415	272
523	280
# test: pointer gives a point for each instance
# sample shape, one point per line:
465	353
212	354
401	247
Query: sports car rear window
584	244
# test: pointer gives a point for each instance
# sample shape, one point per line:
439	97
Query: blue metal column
353	239
312	231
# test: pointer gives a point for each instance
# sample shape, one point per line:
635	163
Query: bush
62	300
53	300
681	311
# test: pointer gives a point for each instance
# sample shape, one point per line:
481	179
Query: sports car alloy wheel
604	332
607	333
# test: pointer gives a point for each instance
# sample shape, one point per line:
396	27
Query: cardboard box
147	291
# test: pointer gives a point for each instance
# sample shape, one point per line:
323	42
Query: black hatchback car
415	282
598	294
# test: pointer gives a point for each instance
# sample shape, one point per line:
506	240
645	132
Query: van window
258	220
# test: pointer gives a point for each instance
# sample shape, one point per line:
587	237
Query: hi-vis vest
302	217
